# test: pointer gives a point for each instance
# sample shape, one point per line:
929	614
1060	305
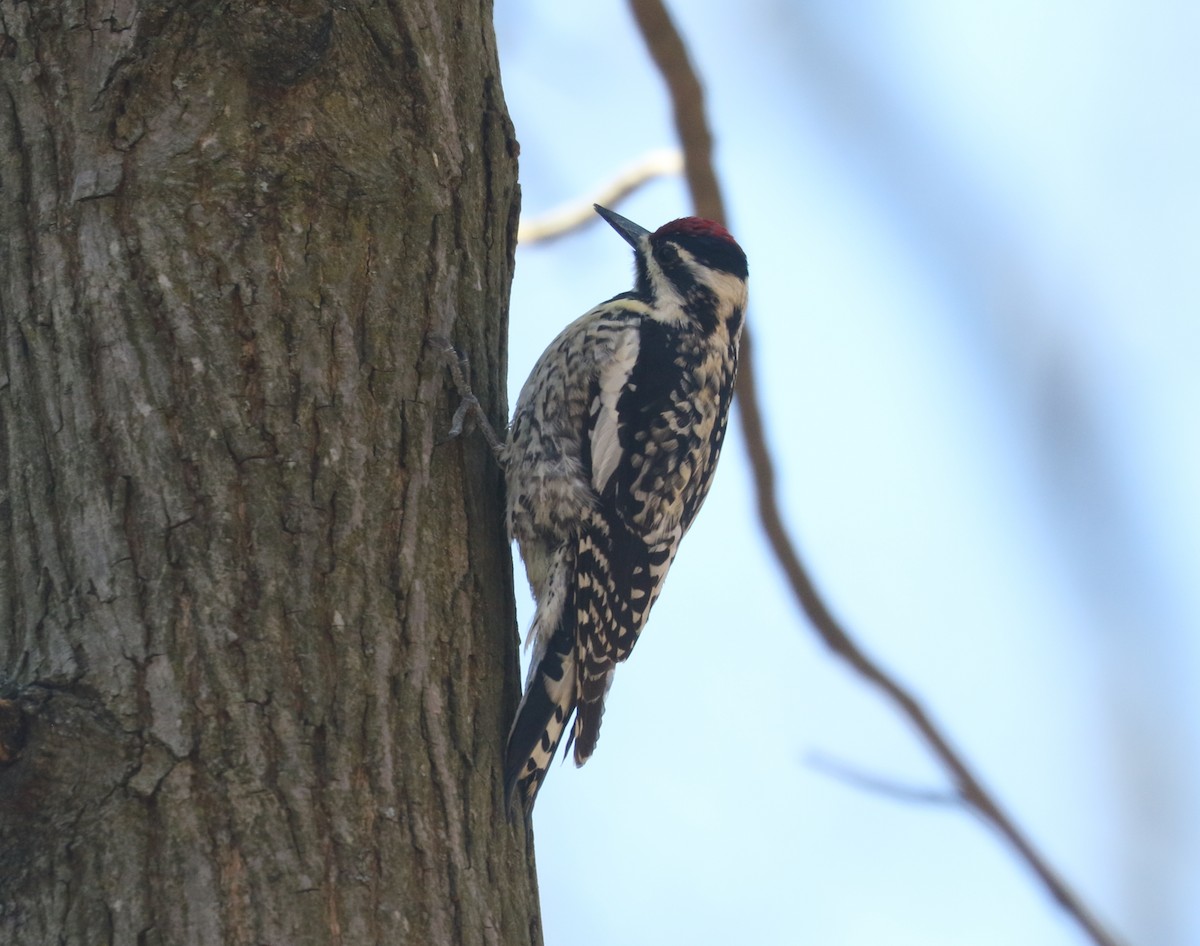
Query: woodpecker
610	454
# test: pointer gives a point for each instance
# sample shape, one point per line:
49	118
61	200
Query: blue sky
975	255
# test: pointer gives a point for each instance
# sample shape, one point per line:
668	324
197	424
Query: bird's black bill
629	230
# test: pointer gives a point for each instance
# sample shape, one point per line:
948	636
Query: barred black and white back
611	452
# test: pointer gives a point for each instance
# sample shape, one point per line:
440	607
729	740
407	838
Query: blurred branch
562	220
865	781
687	99
669	53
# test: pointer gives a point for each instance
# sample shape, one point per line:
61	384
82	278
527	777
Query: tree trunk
256	620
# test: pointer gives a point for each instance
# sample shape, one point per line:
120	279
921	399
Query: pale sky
974	257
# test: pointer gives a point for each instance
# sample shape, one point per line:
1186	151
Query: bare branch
670	54
662	162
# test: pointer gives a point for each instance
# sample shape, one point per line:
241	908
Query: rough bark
256	622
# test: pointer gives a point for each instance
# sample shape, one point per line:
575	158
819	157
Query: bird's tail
542	716
619	579
587	622
588	716
594	672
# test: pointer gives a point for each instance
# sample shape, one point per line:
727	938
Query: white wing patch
614	376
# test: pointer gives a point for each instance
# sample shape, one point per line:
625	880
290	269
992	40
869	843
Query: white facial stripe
728	288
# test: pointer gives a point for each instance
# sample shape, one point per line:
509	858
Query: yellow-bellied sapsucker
611	452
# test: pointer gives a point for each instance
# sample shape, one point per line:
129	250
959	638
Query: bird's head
688	269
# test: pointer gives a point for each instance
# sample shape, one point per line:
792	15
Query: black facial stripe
674	268
716	253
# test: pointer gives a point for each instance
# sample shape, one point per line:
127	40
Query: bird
610	454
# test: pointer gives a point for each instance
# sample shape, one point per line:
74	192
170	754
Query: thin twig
878	785
668	51
662	162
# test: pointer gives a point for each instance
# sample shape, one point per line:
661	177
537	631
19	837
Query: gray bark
256	622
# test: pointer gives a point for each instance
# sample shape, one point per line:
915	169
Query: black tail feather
541	718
